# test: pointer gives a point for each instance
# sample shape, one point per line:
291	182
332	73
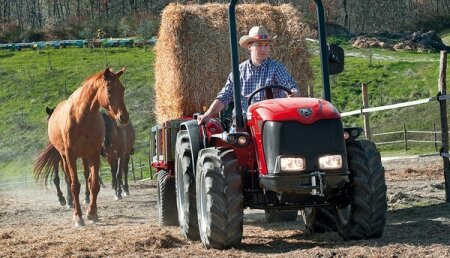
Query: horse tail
46	163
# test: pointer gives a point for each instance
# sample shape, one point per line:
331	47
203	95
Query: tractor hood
303	110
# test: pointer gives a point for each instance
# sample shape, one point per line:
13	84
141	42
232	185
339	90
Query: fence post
140	167
444	125
150	167
311	90
49	62
365	99
435	137
405	136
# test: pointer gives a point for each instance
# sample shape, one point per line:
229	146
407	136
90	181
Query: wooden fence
406	136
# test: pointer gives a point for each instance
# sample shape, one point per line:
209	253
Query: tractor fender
195	141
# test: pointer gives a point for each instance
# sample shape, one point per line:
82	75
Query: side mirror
335	59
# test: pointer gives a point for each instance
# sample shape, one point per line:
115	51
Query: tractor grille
310	141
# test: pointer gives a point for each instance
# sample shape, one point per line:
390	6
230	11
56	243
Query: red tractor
285	155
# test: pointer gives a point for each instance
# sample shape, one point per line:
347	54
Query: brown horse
56	178
116	149
76	130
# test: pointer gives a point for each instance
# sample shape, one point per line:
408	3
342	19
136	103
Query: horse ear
119	73
48	110
107	72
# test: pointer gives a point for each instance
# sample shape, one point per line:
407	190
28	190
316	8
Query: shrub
33	35
10	32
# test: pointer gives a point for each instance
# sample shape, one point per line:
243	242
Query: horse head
111	96
49	112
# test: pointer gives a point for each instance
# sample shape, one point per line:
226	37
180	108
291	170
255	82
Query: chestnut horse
76	130
116	149
56	178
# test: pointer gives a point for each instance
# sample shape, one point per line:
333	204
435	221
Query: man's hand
201	119
215	108
295	93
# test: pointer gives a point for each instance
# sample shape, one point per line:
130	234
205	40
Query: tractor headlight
238	139
330	162
351	133
291	164
242	140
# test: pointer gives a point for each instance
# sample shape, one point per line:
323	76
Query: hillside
392	77
32	80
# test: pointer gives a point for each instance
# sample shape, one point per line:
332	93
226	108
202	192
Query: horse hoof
69	207
86	202
79	223
62	202
93	218
117	198
126	193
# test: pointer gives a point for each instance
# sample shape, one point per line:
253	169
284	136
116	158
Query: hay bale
193	52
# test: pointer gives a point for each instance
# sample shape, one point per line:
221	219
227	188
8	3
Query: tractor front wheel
319	219
219	198
365	216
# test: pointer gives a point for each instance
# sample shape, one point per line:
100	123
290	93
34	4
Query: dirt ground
32	224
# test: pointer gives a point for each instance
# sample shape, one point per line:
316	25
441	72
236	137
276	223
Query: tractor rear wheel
275	215
167	211
185	187
365	216
219	198
319	219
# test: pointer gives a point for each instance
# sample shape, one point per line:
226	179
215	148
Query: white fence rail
387	107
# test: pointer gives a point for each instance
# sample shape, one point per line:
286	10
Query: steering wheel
269	93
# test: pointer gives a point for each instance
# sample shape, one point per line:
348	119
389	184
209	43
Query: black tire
319	219
365	216
275	215
167	210
185	188
219	198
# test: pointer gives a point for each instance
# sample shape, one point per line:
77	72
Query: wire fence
136	171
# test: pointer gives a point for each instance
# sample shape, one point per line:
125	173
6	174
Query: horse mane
96	77
91	83
108	129
93	78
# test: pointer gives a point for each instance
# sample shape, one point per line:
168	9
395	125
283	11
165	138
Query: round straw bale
193	52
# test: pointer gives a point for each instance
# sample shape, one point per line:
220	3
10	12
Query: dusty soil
32	224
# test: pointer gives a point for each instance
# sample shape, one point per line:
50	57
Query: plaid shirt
270	72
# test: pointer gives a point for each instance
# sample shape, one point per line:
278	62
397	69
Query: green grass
32	80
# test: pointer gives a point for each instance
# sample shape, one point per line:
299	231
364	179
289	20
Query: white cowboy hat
257	33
